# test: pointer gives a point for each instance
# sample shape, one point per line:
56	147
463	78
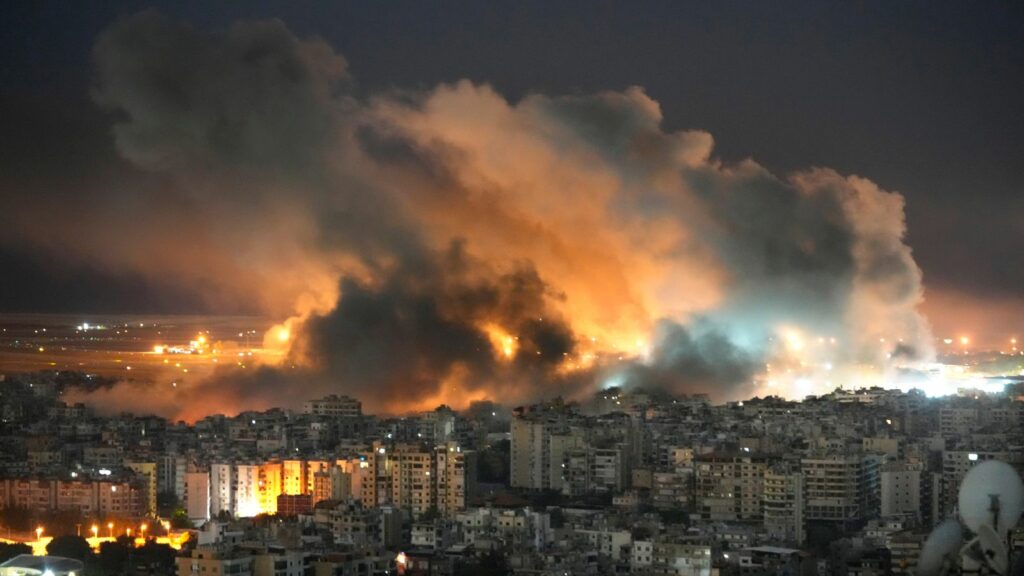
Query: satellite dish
943	544
992	494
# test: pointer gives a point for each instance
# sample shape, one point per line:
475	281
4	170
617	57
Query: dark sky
924	98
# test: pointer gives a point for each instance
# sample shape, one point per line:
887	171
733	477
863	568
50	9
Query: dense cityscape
532	288
640	482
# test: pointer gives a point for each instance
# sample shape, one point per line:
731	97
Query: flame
503	342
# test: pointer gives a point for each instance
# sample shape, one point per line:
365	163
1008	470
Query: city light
777	347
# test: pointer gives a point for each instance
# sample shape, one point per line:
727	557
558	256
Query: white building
901	489
334	405
197	496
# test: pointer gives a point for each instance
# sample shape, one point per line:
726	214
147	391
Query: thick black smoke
449	245
684	361
407	338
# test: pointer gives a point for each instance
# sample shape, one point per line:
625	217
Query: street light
95	531
110	530
142	529
39	533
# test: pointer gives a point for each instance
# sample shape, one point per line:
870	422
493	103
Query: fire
503	342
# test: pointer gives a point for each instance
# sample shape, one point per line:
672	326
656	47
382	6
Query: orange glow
502	342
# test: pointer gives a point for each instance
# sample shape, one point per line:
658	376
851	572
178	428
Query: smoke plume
450	245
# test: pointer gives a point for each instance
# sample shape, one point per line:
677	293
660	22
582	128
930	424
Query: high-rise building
901	489
148	473
729	487
419	480
222	489
197	495
455	480
784	504
590	469
541	438
270	485
841	488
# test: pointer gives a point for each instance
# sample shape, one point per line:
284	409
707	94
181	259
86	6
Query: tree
69	546
180	520
8	551
158	558
113	556
17	519
167	503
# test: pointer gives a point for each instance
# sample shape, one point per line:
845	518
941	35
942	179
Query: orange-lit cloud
451	245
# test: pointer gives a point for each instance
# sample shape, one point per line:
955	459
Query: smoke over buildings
450	245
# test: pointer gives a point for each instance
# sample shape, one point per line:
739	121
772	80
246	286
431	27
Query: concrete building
207	560
127	497
197	495
334	406
784	505
901	489
147	471
681	559
729	487
956	464
419	480
455	479
541	437
841	488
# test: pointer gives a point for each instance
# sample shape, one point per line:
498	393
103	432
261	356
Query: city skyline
464	288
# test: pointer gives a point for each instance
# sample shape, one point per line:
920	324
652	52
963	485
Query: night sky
922	98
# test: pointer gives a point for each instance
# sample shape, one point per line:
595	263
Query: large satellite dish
941	548
992	494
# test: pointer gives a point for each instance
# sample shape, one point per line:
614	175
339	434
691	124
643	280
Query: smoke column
450	245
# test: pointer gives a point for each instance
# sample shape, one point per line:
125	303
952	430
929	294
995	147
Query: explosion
450	245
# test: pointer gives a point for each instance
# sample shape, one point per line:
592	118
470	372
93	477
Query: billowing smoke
449	245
